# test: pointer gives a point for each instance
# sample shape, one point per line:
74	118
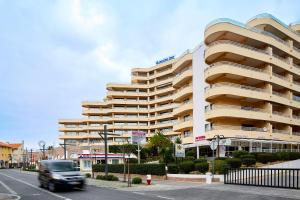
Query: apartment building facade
254	82
159	98
242	83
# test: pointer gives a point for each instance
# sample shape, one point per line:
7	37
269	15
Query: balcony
224	67
238	132
281	117
279	98
222	46
226	88
183	92
183	124
182	77
236	111
183	108
126	94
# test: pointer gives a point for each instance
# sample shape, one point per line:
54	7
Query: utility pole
64	146
30	156
105	149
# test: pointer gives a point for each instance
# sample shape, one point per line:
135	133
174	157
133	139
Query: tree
178	141
162	145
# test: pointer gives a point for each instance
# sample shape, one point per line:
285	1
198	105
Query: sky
54	54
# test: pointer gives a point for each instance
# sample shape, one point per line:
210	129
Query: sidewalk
165	185
287	164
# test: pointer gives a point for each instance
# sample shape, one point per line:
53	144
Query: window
187	134
115	161
87	164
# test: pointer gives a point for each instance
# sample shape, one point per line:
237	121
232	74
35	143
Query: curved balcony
183	108
182	61
232	28
182	77
238	132
126	94
182	125
71	129
183	92
220	47
234	111
225	88
224	67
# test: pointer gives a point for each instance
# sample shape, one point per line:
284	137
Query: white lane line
162	197
7	188
36	187
140	193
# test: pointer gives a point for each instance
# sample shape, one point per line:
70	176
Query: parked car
56	174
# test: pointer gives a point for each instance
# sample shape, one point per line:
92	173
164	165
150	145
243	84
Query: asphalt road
25	186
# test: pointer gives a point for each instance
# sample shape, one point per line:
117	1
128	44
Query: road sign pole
139	154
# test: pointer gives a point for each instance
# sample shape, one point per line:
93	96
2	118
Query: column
198	152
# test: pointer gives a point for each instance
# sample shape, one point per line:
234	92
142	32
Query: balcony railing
280	76
280	114
238	44
236	107
242	128
278	94
246	87
280	131
181	72
217	64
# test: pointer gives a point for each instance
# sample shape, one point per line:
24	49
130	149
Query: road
25	187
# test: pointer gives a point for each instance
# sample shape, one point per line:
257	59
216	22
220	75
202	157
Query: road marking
162	197
7	188
140	193
46	191
16	197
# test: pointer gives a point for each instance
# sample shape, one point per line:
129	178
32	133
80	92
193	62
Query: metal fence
264	177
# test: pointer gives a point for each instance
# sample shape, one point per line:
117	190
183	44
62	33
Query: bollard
149	179
208	178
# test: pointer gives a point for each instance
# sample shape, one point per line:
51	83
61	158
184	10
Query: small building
87	160
5	155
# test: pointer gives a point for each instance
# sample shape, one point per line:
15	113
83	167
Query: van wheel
52	186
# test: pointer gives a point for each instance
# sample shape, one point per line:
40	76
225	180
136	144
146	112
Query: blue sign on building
165	60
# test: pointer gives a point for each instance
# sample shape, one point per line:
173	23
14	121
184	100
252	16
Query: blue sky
55	54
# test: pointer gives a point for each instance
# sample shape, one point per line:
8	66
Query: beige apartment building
242	83
159	98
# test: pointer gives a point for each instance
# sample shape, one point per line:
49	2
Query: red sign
200	138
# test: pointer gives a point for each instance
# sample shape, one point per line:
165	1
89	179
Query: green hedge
143	169
136	180
173	169
200	160
234	163
202	167
221	166
248	160
239	154
186	167
109	177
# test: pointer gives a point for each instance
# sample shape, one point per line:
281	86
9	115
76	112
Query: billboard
138	137
179	151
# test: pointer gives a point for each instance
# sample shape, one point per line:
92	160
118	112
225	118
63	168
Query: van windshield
62	166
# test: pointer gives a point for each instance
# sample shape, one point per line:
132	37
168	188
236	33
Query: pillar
198	152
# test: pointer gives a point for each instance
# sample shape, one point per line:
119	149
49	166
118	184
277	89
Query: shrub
234	163
88	175
248	160
186	167
265	157
188	158
191	153
109	177
200	160
133	160
238	154
202	167
221	166
173	168
143	169
136	180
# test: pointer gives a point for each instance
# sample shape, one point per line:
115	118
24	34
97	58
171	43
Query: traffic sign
213	145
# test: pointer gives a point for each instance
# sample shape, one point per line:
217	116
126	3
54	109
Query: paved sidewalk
165	185
288	164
